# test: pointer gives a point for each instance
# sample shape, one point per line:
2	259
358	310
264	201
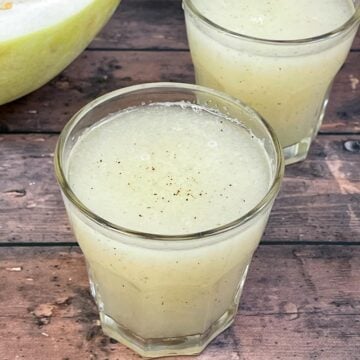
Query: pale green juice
287	83
170	170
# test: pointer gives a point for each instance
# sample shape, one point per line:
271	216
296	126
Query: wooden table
302	296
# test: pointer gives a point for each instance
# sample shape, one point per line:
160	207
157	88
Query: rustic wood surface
306	307
98	72
319	200
302	296
161	20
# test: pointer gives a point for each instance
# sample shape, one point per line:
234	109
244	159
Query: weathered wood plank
320	197
95	73
343	112
144	24
260	337
307	307
319	200
149	24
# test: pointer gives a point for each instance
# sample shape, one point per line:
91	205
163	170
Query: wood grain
319	200
307	307
98	72
93	74
300	301
149	24
144	24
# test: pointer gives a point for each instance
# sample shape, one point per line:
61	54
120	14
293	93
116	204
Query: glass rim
238	222
355	18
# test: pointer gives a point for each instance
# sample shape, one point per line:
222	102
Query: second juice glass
287	82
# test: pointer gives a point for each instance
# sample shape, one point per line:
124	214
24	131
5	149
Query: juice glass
166	294
287	81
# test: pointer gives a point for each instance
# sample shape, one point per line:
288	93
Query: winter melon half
39	38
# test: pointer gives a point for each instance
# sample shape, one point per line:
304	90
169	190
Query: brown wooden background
302	297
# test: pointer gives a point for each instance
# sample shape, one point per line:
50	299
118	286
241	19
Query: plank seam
17	132
139	49
155	49
264	243
241	312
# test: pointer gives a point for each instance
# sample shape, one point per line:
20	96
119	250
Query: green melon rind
30	61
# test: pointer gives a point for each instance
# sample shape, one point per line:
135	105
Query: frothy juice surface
168	169
287	84
278	19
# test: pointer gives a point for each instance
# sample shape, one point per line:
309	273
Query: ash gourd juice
168	169
287	84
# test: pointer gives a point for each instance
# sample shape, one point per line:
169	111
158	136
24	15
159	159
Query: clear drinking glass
287	82
165	295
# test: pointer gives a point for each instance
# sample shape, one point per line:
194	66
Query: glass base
297	152
159	347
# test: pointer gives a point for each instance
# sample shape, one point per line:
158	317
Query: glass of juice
278	56
168	188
